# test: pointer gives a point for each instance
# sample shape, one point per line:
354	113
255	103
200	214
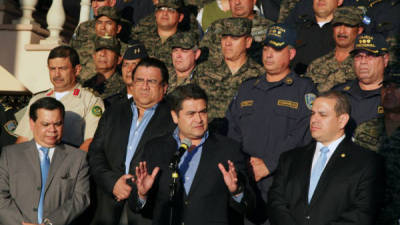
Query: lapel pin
343	155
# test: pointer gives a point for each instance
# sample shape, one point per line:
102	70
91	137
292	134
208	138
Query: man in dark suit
330	181
212	188
118	143
43	181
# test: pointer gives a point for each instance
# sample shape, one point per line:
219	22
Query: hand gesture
230	176
259	168
144	181
121	189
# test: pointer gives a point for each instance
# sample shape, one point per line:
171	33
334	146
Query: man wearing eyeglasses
370	60
120	138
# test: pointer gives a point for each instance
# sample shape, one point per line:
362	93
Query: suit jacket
67	187
107	154
348	192
209	200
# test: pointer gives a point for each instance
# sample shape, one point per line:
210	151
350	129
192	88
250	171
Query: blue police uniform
365	105
269	118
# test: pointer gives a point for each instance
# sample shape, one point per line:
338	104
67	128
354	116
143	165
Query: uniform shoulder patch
10	127
246	103
97	111
309	99
287	103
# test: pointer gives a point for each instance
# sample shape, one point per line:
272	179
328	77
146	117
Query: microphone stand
173	166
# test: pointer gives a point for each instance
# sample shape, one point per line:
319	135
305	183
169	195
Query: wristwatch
47	222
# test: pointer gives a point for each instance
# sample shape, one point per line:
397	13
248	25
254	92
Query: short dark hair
48	103
182	93
64	51
342	105
153	62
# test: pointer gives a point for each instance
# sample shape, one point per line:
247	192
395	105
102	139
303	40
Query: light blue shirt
332	148
136	132
189	161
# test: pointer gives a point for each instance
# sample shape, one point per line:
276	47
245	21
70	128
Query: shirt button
187	202
308	217
35	209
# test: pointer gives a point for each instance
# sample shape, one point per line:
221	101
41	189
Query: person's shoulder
16	148
361	154
344	87
76	152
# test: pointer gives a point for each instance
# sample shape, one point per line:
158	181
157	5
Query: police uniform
82	113
8	125
365	105
269	118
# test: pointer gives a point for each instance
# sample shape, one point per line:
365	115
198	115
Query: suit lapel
328	171
32	157
305	167
56	162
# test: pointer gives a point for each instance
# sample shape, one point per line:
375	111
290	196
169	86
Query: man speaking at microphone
212	185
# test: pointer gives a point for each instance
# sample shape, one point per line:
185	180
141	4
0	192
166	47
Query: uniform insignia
50	93
287	103
342	155
289	81
76	92
246	103
346	88
10	127
380	110
309	99
97	111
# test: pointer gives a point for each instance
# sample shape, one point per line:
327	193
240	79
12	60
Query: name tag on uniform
287	103
246	103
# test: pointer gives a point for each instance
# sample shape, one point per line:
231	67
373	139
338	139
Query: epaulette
41	92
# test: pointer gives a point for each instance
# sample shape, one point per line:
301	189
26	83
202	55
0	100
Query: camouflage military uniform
174	81
212	37
326	71
221	85
104	88
369	133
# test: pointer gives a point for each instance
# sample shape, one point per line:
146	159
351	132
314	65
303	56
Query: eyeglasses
142	82
368	56
167	9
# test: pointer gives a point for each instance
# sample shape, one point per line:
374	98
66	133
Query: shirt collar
175	135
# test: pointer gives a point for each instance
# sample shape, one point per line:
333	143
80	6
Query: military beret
348	15
185	40
280	35
234	26
136	50
175	4
107	42
372	43
109	12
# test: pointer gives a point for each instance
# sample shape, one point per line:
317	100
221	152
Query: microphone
185	145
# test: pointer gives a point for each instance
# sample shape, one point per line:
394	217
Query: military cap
234	26
136	50
348	15
175	4
372	43
109	12
185	40
108	42
280	35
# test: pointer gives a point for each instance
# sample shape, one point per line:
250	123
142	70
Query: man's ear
181	16
343	120
292	53
78	69
197	54
249	40
174	116
119	27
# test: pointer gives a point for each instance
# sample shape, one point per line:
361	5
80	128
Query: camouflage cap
185	40
109	12
136	50
373	43
108	42
348	15
175	4
280	35
235	26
